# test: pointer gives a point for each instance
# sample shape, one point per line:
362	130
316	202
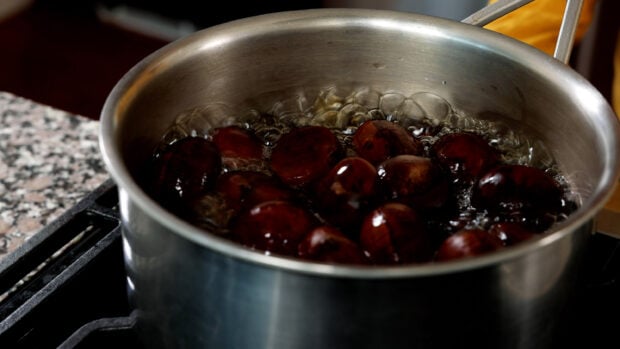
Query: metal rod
566	37
494	11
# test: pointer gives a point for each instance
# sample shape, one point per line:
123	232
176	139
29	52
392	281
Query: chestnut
185	170
466	155
328	245
413	180
343	196
521	194
237	142
394	233
379	140
305	154
467	243
274	227
511	233
243	189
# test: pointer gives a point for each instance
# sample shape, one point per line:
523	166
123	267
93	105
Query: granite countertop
49	161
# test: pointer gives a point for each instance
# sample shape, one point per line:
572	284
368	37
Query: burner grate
67	275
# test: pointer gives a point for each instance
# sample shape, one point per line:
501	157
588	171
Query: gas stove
65	287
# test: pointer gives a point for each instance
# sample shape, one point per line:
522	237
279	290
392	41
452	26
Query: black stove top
65	287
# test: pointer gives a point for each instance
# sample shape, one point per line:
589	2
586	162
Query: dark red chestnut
511	233
467	243
379	140
244	189
305	154
185	170
413	180
328	244
237	142
343	195
395	233
466	155
521	194
275	227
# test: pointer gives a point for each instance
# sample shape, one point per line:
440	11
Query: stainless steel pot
192	289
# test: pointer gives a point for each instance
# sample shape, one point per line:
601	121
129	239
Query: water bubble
425	114
295	105
390	102
173	134
328	99
409	112
368	98
250	117
434	107
348	112
328	118
199	121
540	155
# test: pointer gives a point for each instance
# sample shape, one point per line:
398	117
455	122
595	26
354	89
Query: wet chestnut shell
522	193
275	227
305	154
466	155
242	189
186	169
467	243
511	233
343	196
237	142
329	245
395	233
379	140
413	180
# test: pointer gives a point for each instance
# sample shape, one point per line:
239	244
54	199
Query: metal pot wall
192	289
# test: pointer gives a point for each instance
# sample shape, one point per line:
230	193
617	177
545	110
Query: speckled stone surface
49	160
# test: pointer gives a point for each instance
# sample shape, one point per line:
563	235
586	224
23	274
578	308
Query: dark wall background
60	53
64	53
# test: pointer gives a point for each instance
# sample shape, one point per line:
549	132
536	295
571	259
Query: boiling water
427	116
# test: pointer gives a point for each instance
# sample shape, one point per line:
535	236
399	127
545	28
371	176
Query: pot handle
564	44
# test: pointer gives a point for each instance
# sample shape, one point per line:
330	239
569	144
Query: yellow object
538	24
615	93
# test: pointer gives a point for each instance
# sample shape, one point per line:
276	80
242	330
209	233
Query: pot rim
130	190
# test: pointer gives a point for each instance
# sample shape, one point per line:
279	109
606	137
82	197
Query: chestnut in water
305	154
243	189
520	193
395	233
344	194
467	243
379	140
413	180
328	244
185	170
293	192
511	233
274	227
237	142
466	155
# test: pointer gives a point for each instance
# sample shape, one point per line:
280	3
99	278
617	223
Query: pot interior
251	64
